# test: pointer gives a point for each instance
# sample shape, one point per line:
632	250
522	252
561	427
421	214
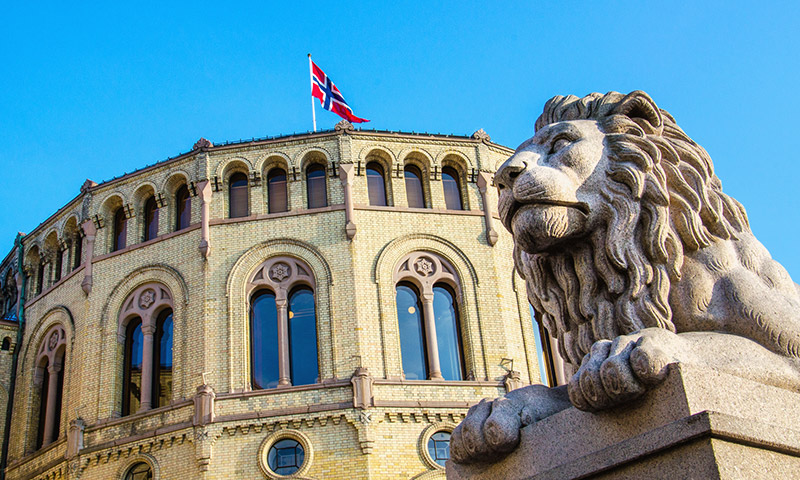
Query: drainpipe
21	328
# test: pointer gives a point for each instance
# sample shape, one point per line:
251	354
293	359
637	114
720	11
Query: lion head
603	202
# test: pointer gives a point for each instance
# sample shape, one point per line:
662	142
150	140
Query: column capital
54	368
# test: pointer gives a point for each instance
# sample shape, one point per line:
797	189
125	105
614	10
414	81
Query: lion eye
559	144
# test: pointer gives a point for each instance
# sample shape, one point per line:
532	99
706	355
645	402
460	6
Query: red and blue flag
329	96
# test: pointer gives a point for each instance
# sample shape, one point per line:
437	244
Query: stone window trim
281	275
275	437
146	302
425	177
424	270
425	436
140	458
51	352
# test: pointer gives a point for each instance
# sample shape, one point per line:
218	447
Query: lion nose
508	172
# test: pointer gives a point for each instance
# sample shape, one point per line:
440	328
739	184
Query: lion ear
639	107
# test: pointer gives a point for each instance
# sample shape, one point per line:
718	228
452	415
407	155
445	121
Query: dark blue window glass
447	334
286	457
439	447
162	385
412	339
264	335
303	337
132	393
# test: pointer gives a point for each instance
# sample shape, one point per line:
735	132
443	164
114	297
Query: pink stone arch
51	353
146	302
425	269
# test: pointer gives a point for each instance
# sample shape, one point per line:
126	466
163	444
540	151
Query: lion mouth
516	206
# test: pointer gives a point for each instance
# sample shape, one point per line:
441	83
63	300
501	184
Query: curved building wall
362	418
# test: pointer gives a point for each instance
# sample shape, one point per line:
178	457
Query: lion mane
660	190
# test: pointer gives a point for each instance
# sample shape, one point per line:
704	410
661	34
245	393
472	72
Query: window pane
151	219
42	406
414	194
286	457
317	188
59	264
412	342
238	196
452	191
184	205
120	229
447	334
133	368
163	377
276	191
264	336
303	337
78	243
375	185
140	471
439	447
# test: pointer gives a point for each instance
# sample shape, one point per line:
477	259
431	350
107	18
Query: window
120	230
40	277
286	456
150	219
147	322
59	265
49	377
283	325
6	344
414	193
237	196
183	208
77	244
452	189
439	447
316	186
428	323
544	352
139	471
376	186
276	191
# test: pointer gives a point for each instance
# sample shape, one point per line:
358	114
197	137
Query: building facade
324	305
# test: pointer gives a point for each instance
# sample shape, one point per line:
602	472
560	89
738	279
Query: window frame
119	238
244	193
272	195
183	207
381	198
150	219
320	182
449	201
410	168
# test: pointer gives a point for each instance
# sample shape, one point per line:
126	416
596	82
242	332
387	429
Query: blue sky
93	91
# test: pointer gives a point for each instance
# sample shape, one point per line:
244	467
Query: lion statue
634	259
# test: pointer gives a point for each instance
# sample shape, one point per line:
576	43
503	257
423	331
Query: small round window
287	456
140	471
439	447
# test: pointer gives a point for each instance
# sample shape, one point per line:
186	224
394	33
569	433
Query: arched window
427	314
376	185
162	380
263	333
237	196
77	245
40	277
49	377
276	191
120	230
452	189
414	192
150	219
147	323
139	471
59	265
132	383
316	186
6	344
183	208
283	324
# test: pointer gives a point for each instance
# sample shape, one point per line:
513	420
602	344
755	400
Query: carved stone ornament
482	136
51	344
344	126
424	266
635	260
202	143
147	298
280	272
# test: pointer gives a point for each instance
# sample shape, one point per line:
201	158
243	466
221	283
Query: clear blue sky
96	91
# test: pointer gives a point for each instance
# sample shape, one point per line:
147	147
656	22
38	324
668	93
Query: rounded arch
233	164
422	156
59	314
272	159
312	155
110	204
239	286
144	190
174	181
385	267
70	227
387	155
455	159
140	458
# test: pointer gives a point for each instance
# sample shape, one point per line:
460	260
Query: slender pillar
430	334
284	373
50	412
204	192
148	332
484	180
90	231
347	172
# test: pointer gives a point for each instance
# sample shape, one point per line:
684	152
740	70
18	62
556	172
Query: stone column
484	180
204	193
75	437
347	172
284	373
90	231
148	332
435	370
50	411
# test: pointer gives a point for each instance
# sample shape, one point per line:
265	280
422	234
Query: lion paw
618	371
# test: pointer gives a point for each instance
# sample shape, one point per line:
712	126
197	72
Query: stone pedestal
698	424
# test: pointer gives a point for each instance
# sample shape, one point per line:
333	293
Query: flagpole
311	77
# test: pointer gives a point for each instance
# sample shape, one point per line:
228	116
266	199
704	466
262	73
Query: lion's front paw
615	372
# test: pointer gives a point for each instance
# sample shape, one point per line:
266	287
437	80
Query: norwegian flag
329	96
